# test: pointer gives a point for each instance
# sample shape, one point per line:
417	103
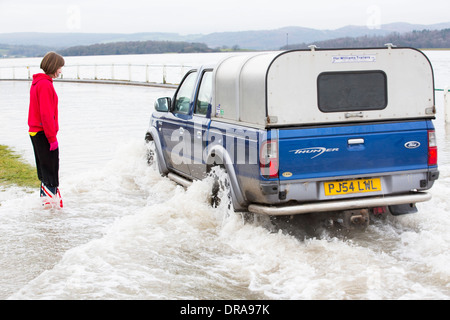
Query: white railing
131	73
136	73
447	104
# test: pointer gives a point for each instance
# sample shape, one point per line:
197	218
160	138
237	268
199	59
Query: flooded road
127	233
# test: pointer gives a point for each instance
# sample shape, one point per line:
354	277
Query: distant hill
253	40
65	40
417	39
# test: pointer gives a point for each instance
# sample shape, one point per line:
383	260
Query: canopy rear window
352	91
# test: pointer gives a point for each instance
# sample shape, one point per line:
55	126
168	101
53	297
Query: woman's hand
53	146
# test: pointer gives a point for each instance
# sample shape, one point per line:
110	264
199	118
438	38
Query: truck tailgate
347	150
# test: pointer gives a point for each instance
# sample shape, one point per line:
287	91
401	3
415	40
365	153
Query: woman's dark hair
52	62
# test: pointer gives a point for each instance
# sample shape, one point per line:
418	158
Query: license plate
352	186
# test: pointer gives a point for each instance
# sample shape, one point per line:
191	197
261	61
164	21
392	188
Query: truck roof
305	87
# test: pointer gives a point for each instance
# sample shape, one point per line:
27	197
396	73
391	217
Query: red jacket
43	112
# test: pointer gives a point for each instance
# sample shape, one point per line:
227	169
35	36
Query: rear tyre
221	188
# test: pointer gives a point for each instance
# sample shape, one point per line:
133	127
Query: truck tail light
432	148
268	159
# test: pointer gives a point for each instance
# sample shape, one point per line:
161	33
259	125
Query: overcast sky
201	16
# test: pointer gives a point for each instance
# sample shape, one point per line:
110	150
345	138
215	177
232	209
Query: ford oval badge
412	144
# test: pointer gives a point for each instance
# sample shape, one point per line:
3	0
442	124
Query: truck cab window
184	94
204	94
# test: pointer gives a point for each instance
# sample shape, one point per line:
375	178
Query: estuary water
128	233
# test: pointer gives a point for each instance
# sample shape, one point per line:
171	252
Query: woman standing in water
43	128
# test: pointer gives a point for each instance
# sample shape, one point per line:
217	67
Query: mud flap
401	209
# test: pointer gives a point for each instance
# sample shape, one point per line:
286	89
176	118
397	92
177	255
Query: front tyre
152	156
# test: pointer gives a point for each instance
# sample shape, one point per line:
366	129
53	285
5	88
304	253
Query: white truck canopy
304	87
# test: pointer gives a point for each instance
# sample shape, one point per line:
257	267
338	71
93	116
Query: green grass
15	171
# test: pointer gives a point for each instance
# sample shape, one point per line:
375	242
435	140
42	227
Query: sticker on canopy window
354	58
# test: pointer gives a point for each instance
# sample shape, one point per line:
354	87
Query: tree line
425	39
114	48
7	50
136	47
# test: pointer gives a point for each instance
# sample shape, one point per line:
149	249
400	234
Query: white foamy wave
165	242
156	240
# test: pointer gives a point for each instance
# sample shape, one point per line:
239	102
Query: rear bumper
339	205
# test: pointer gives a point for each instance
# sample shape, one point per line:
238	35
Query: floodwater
127	233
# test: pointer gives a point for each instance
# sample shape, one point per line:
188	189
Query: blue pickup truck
305	131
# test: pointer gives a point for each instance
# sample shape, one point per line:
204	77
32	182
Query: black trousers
47	162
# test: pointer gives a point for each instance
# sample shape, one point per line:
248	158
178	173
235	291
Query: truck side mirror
163	104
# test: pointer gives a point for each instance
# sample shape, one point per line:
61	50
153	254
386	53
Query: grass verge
14	171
